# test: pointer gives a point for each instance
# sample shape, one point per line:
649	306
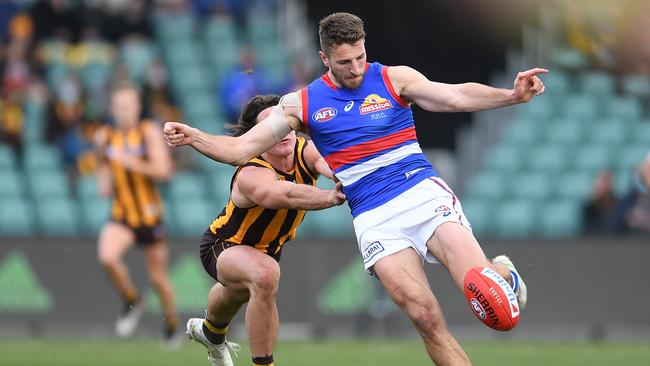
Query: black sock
215	333
263	361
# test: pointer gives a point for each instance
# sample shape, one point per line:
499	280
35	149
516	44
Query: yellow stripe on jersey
265	229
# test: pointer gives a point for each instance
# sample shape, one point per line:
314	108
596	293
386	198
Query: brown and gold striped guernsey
136	200
262	228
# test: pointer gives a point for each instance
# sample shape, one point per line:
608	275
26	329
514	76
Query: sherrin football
491	298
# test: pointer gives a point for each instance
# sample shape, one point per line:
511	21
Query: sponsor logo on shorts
372	250
349	106
478	309
374	103
446	211
324	114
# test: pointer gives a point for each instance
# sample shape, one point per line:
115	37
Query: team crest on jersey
374	103
324	114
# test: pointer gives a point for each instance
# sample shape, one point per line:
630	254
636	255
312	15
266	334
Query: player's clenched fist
178	134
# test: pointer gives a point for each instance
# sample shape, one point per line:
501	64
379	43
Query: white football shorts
407	220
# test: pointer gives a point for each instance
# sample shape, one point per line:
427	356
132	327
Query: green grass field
357	353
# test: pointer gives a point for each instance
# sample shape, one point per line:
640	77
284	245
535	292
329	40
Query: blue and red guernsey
367	136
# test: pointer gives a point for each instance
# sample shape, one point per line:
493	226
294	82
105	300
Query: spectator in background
244	81
601	205
157	97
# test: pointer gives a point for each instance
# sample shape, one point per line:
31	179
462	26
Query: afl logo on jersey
324	114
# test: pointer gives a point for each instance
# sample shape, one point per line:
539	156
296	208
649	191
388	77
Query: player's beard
346	82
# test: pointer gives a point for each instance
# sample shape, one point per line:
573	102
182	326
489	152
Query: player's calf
491	298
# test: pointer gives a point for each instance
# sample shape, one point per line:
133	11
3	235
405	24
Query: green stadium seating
335	222
40	157
490	185
187	185
596	83
189	78
623	181
566	131
575	185
34	123
522	131
138	55
16	217
543	109
581	106
629	156
199	105
625	108
506	157
592	157
7	158
641	132
479	213
636	85
11	183
515	218
191	216
560	218
532	186
218	28
219	177
48	184
568	58
557	83
609	131
174	28
55	74
95	213
94	77
552	158
87	187
58	216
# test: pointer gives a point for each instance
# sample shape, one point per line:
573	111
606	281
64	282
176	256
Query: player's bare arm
236	150
158	164
467	97
316	162
260	186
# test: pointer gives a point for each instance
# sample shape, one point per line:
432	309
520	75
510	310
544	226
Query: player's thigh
242	266
403	277
457	249
156	256
114	240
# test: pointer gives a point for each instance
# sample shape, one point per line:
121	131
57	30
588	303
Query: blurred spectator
128	20
243	82
157	97
11	121
602	204
299	77
55	17
636	204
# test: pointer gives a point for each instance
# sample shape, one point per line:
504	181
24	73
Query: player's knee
157	278
107	260
491	298
425	321
266	280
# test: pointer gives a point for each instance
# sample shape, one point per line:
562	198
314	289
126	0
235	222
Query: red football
491	298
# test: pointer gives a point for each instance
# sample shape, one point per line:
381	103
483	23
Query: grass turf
358	353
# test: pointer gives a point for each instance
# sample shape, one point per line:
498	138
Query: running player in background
241	249
132	159
359	117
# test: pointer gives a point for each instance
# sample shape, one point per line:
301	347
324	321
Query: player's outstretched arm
260	186
468	97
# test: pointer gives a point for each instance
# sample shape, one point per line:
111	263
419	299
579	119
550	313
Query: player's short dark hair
248	117
338	28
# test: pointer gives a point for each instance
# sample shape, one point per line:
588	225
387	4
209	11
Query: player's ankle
215	333
263	361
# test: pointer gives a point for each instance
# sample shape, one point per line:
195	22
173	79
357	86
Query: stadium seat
609	131
191	216
558	83
552	158
186	186
219	28
189	78
532	186
636	85
479	213
48	184
335	222
95	76
487	184
629	156
199	105
581	106
11	183
7	158
560	218
87	187
58	217
542	110
623	181
34	123
16	217
523	131
568	58
566	131
641	132
41	157
592	157
176	27
138	55
624	108
515	218
219	177
596	83
575	185
505	157
95	213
